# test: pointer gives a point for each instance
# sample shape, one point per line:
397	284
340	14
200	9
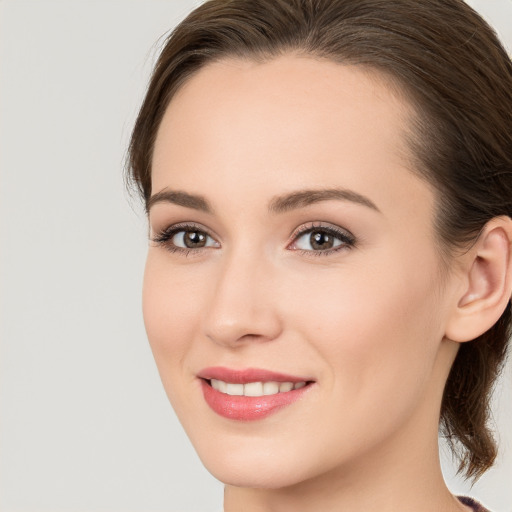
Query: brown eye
185	239
191	239
321	240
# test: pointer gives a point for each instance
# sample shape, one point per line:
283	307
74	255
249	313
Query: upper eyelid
182	226
297	231
328	227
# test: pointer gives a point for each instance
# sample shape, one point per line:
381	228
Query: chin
256	466
270	475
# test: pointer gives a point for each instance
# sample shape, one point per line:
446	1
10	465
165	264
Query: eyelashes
189	238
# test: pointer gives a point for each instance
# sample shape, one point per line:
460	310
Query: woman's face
291	236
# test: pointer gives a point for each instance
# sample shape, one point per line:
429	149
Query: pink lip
248	408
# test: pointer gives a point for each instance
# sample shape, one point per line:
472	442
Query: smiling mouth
251	393
255	389
251	400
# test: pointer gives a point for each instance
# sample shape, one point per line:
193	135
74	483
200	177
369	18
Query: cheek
170	304
379	330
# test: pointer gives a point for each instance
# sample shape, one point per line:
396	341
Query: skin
367	322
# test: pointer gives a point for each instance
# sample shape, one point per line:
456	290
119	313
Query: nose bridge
241	306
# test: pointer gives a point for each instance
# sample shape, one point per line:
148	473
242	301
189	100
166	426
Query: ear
486	282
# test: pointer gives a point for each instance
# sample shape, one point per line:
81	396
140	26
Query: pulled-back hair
454	71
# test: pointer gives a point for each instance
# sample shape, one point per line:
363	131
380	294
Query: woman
329	192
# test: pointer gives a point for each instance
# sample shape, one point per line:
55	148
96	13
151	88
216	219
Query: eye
184	238
322	240
191	239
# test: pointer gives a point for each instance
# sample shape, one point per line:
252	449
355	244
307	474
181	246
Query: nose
243	306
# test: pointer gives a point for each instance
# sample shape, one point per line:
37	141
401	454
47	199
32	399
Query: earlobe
488	283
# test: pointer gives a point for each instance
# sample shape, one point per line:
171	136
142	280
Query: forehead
290	121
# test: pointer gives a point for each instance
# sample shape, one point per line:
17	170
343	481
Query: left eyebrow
302	198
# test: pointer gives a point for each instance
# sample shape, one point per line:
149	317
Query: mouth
252	394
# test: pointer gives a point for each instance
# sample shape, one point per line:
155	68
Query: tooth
234	389
285	386
253	389
270	388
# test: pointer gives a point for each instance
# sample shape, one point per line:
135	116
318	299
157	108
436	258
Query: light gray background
85	424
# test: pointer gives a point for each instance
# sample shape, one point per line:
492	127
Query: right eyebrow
181	199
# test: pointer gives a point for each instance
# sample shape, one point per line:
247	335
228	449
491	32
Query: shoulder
470	502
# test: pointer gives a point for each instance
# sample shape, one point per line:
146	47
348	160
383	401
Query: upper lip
243	376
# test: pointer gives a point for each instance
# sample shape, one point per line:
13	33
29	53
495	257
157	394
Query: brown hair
455	72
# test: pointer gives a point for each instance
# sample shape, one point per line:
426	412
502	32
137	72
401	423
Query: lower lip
249	408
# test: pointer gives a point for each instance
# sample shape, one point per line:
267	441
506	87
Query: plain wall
84	422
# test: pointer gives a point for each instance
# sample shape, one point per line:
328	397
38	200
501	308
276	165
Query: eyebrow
278	204
180	198
302	198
